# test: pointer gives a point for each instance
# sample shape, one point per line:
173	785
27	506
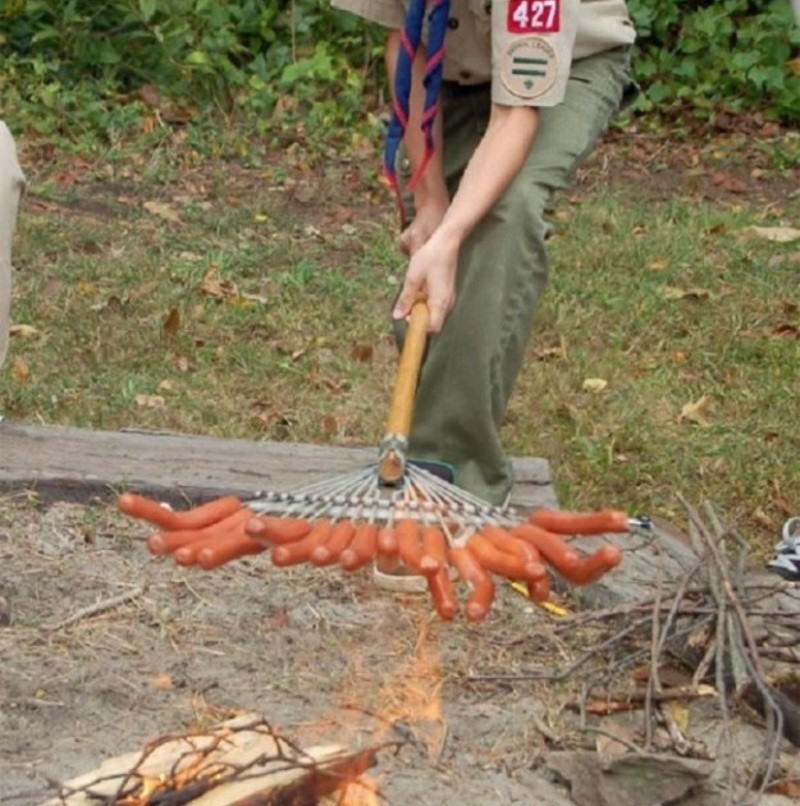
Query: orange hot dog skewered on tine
362	547
604	521
475	575
300	550
440	588
142	508
511	566
434	550
592	567
232	526
539	590
552	547
504	541
229	548
338	540
386	543
269	530
409	544
169	542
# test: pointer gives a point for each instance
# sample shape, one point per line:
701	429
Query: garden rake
417	528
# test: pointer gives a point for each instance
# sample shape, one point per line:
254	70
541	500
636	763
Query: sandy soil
309	650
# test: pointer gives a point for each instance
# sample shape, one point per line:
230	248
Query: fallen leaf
171	324
114	302
786	332
166	386
788	787
658	265
728	182
214	286
779	501
256	298
362	353
762	519
310	231
162	210
774	234
595	385
24	331
85	289
696	412
548	353
330	425
150	401
20	371
679	714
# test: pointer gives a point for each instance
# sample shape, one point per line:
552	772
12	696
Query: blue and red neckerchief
437	12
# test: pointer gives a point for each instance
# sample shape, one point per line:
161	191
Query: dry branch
95	609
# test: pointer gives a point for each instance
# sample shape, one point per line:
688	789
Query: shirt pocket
481	10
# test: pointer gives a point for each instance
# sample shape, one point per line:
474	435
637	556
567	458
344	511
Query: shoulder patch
534	16
529	67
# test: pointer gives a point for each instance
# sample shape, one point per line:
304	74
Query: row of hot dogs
224	529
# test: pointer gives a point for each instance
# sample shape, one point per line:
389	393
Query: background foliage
740	55
84	63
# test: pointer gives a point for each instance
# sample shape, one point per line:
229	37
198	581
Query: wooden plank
64	463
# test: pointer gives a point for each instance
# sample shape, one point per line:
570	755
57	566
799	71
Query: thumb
409	293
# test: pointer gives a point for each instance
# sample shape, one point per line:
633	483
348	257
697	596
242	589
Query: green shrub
708	55
79	63
246	53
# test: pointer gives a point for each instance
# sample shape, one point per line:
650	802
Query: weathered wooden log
75	464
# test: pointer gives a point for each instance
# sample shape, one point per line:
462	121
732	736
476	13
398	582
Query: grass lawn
218	284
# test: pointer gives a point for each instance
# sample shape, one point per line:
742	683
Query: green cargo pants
472	365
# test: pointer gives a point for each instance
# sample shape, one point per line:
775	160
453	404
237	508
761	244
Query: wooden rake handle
391	463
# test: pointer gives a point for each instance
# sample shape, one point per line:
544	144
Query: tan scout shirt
524	47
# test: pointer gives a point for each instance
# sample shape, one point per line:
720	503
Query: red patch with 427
534	16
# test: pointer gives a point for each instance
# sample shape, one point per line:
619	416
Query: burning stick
244	761
394	510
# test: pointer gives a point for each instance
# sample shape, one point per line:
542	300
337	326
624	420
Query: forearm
431	184
496	161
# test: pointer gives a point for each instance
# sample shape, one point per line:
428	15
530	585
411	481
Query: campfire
243	762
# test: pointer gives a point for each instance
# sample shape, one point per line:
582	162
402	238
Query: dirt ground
309	650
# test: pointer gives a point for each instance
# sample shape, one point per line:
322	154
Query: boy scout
528	87
11	184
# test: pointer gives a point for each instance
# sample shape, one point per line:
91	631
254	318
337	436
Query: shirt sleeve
388	13
532	48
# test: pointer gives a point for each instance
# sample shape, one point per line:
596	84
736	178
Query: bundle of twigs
717	629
